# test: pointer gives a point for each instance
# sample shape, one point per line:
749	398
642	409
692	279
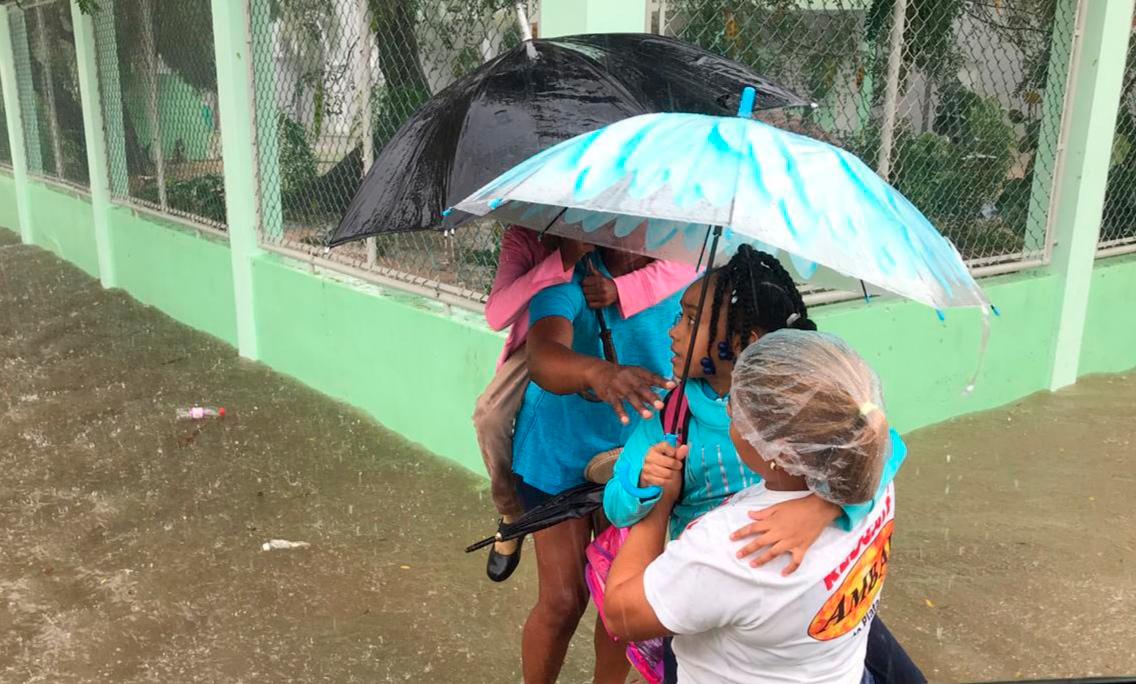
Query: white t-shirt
734	623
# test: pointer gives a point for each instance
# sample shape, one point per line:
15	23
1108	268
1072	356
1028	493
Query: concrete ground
130	543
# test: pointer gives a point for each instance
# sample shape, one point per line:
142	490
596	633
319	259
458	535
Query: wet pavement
130	543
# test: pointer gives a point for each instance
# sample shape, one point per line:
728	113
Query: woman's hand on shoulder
788	527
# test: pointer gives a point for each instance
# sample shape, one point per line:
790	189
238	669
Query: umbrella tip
745	107
494	203
447	212
995	310
942	316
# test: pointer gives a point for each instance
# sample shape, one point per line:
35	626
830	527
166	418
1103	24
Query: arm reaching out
560	370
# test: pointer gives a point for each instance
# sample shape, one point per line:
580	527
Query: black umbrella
573	503
540	93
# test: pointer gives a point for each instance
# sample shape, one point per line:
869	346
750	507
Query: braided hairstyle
761	295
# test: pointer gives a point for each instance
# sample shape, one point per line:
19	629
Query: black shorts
530	496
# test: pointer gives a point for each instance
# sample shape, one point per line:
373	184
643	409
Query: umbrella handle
608	344
481	544
633	488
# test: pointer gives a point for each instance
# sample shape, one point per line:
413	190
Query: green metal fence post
1061	46
110	88
235	100
13	114
267	121
97	166
1100	42
29	107
564	17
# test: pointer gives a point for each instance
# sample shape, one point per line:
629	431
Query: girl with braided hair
751	296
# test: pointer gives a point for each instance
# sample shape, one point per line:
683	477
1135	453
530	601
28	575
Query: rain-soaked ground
130	544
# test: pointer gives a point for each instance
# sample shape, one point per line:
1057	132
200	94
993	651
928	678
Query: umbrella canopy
654	183
573	503
527	99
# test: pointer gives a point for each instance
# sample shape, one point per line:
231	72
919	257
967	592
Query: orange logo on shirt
852	600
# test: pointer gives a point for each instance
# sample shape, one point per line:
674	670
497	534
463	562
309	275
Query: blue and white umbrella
654	184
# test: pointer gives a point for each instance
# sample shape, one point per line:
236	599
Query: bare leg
612	665
562	598
493	422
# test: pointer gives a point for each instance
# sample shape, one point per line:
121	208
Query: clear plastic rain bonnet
810	404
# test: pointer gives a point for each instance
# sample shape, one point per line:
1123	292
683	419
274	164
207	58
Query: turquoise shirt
556	435
713	470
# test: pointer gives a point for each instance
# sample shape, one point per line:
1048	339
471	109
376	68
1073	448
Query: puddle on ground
132	542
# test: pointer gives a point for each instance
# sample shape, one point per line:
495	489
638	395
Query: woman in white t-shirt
805	415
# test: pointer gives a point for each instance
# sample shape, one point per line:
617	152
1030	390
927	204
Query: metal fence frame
360	259
1126	128
115	111
32	119
362	262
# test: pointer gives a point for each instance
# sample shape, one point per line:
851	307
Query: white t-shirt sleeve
698	584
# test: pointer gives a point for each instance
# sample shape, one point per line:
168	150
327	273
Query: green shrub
203	196
297	167
959	170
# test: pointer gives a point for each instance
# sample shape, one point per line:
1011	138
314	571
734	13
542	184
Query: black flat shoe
501	566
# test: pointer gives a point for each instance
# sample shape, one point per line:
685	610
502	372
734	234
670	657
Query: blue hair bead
724	351
708	367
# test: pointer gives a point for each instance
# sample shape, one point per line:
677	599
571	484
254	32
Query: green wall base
926	363
1109	343
9	218
403	359
61	223
184	272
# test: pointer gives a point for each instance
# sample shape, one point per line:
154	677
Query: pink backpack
645	656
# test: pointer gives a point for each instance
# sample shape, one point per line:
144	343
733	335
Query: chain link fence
948	106
5	145
334	80
158	87
1118	225
44	47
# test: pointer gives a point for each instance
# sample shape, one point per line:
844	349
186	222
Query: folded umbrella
573	503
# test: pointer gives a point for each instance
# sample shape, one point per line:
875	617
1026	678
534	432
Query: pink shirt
526	267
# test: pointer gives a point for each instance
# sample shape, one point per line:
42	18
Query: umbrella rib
674	429
553	221
702	252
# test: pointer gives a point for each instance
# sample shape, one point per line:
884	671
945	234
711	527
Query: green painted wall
179	270
396	356
8	216
61	222
926	364
1110	336
417	366
418	369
